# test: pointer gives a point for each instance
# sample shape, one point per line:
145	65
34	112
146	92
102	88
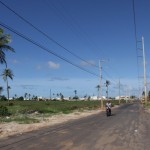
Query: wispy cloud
87	64
53	65
15	61
30	87
58	79
38	67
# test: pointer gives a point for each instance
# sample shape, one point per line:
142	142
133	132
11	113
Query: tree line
5	40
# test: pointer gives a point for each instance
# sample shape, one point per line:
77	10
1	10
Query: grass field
22	111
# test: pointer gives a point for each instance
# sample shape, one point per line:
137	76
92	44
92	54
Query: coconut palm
15	96
75	92
29	96
7	73
57	94
1	90
98	87
5	39
25	96
107	84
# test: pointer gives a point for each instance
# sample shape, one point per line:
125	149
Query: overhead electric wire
84	33
136	40
47	36
135	35
44	48
76	24
109	77
134	18
50	38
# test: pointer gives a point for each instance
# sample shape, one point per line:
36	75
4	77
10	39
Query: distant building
94	97
82	98
122	97
97	98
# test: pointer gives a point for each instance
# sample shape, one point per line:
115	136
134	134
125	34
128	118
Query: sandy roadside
12	128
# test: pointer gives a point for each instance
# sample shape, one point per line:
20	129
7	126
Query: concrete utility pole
50	95
101	84
144	62
119	91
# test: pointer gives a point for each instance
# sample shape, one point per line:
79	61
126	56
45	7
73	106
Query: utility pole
119	91
144	62
50	94
101	90
101	84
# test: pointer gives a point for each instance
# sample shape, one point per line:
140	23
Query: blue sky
91	30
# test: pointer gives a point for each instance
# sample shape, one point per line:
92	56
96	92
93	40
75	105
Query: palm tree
29	96
75	92
98	87
7	73
53	95
57	94
107	84
143	93
5	39
25	96
15	95
1	90
61	96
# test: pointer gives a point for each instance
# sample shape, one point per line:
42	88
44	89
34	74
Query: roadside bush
76	97
4	111
11	104
3	98
20	98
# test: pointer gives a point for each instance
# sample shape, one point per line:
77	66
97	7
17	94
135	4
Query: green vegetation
4	111
5	40
29	111
147	105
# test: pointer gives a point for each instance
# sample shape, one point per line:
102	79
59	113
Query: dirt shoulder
13	128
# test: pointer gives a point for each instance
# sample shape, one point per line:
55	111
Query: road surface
127	129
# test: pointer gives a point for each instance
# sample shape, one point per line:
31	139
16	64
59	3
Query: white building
122	97
97	98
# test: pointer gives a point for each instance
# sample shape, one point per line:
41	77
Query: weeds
28	111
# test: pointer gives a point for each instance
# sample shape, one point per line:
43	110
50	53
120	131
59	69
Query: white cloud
53	65
15	61
88	63
39	67
58	79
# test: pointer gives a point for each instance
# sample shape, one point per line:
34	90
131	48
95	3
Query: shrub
20	98
3	98
76	97
4	111
11	104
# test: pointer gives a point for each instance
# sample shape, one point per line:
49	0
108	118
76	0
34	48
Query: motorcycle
108	111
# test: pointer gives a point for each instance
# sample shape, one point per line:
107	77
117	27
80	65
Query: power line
47	36
136	41
135	27
135	34
44	48
76	24
109	78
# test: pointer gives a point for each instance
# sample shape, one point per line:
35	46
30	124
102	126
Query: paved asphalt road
127	129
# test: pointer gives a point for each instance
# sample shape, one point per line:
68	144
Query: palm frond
7	73
7	48
2	57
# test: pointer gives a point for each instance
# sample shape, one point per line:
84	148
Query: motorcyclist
108	106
